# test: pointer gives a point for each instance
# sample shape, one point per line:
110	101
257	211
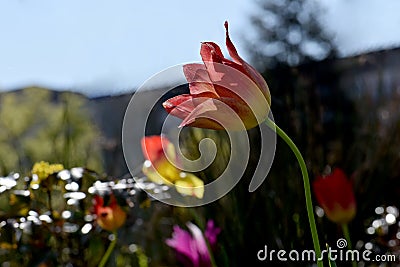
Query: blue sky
107	47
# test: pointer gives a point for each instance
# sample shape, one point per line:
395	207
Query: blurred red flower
110	216
334	192
219	88
159	167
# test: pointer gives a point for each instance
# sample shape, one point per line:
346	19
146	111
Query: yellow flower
42	170
160	170
189	184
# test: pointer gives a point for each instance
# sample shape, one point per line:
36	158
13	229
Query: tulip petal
110	217
215	62
252	72
232	80
192	111
192	246
231	47
199	111
152	174
237	85
218	87
334	193
179	106
162	173
182	242
199	240
153	148
212	113
98	203
209	51
211	233
190	185
199	81
210	54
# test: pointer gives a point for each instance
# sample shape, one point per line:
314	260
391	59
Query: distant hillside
39	124
105	113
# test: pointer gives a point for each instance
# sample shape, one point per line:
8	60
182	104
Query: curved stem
109	251
307	188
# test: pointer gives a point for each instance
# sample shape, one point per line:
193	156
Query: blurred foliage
289	32
38	124
353	126
52	223
340	114
275	214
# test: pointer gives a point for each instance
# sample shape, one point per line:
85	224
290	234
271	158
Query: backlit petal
190	185
252	72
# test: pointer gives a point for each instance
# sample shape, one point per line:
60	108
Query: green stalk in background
307	188
109	250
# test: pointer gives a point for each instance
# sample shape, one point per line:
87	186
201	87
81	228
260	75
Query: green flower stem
307	188
210	253
109	251
331	262
346	233
50	203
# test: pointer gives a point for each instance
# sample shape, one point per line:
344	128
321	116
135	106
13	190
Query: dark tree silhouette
288	32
